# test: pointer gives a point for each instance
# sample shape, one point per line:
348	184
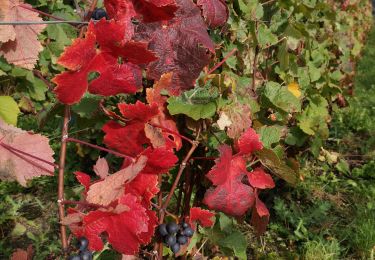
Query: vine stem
98	148
222	62
60	195
41	12
175	183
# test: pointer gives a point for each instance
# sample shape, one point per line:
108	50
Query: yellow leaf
294	88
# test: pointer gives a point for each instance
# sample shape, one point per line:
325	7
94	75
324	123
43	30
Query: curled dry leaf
101	168
21	254
215	12
20	167
7	32
20	44
112	187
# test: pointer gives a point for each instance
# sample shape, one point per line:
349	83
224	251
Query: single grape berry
182	240
185	225
163	230
189	232
170	240
74	257
86	255
82	244
172	228
99	13
175	248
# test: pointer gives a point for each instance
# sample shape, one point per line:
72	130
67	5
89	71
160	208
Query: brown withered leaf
20	43
112	187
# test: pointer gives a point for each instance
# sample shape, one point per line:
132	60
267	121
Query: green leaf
270	135
88	106
269	159
283	56
38	90
226	223
314	72
197	103
237	242
265	36
9	110
250	9
315	117
281	98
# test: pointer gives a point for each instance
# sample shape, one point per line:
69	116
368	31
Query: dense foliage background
294	77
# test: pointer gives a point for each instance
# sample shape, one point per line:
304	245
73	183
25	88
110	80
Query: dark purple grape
163	230
86	255
74	257
172	228
170	240
82	244
182	240
99	13
185	225
189	232
175	248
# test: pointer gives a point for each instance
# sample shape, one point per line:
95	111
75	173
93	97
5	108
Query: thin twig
98	148
222	62
166	211
8	147
40	76
60	194
26	159
41	12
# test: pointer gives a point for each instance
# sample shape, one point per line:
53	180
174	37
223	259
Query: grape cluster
175	235
84	252
99	13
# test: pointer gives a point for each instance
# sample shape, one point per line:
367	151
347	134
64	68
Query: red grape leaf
260	180
214	11
155	10
21	47
132	135
249	142
84	179
82	58
101	168
139	111
125	226
230	195
260	216
112	187
144	187
150	10
181	45
156	165
20	167
205	217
